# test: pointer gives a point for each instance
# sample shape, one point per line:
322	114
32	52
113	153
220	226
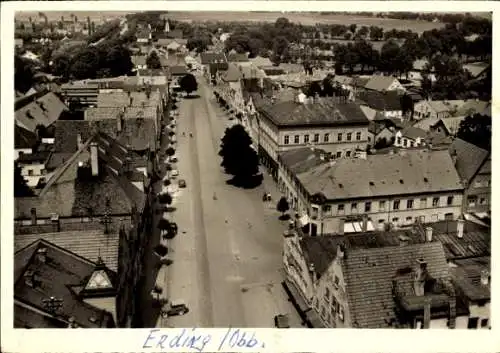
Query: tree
282	206
328	89
407	104
376	33
314	89
476	129
170	151
352	28
238	157
21	188
188	84
23	74
165	198
153	61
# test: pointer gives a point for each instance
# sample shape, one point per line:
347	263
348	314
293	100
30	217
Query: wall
478	194
299	273
330	298
422	110
19	151
38	171
481	312
388	214
107	304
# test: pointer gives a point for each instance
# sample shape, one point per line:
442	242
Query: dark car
281	321
176	309
182	183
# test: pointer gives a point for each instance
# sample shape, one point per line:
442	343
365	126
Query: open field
306	18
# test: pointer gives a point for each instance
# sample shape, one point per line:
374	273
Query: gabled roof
452	124
70	191
471	107
380	83
24	138
299	160
178	70
413	133
467	276
409	172
445	105
128	99
388	101
55	277
476	69
89	243
324	112
237	57
369	275
470	158
212	58
45	110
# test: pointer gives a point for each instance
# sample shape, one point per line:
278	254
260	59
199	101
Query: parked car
182	183
174	173
177	307
281	321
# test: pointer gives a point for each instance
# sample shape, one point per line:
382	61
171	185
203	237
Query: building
379	105
83	92
239	58
97	188
380	191
139	62
338	127
18	42
397	279
33	167
418	71
383	84
213	62
378	131
25	141
474	106
41	109
473	165
477	70
410	137
55	288
436	109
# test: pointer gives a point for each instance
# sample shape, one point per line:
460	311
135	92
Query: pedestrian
183	134
190	135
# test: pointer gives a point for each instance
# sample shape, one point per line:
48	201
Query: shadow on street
247	183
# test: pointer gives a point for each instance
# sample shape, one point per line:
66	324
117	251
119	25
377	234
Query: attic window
401	181
29	115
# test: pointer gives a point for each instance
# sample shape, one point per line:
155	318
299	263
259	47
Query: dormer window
29	114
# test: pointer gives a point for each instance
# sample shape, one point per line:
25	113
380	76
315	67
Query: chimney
340	251
41	254
119	123
33	215
460	228
428	234
312	268
420	277
94	159
29	278
485	277
79	141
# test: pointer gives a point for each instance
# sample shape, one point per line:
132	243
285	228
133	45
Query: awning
295	295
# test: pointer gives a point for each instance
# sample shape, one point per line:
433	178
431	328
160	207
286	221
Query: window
482	201
404	142
398	141
339	137
296	139
381	205
316	138
287	139
348	154
484	322
472	322
423	203
358	136
326	137
449	200
354	207
339	154
327	295
409	204
411	143
381	221
395	205
409	219
448	217
368	206
340	208
395	220
349	136
336	282
306	138
435	202
422	219
30	172
341	313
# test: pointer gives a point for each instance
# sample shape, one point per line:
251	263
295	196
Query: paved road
232	245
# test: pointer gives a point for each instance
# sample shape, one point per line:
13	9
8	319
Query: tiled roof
178	70
419	65
138	60
325	111
452	124
469	158
237	57
475	69
89	244
369	275
427	123
136	134
45	110
471	107
273	71
411	172
291	68
56	277
467	276
360	81
24	138
67	194
259	61
379	83
210	58
389	101
413	132
176	33
103	113
476	240
34	157
66	132
445	106
126	99
299	160
343	80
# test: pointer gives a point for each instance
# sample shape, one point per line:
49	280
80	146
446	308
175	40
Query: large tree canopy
153	61
476	129
188	83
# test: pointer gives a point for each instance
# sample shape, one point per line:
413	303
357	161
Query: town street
227	255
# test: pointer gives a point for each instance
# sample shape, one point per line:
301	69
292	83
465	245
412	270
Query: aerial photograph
252	169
